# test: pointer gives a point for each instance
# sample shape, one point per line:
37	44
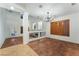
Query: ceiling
57	9
8	6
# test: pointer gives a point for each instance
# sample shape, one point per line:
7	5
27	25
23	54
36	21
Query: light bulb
12	8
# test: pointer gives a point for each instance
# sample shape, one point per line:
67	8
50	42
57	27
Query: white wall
7	22
13	21
3	32
74	28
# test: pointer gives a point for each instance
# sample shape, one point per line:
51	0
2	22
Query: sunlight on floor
18	50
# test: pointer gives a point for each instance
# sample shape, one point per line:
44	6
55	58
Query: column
25	28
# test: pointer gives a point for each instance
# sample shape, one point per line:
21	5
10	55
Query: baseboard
2	43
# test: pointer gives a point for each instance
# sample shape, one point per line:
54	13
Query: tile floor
42	47
54	47
18	50
12	41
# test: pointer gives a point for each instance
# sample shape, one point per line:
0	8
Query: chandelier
49	17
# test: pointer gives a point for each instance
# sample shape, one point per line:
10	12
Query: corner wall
2	27
7	22
74	28
14	22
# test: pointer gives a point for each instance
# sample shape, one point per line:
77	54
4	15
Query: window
40	25
34	26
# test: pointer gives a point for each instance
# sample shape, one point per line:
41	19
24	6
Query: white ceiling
57	9
8	6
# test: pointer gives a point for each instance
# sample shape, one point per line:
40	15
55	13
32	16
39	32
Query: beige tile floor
18	50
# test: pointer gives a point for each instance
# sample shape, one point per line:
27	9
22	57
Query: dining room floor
42	47
18	50
54	47
12	42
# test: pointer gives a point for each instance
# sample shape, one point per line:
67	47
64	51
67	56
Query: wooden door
52	28
60	28
67	27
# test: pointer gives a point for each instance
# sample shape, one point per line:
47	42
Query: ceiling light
12	8
73	4
40	6
49	17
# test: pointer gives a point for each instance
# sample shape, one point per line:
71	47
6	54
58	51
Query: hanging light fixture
49	17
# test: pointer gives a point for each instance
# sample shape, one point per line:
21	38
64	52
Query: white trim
36	38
